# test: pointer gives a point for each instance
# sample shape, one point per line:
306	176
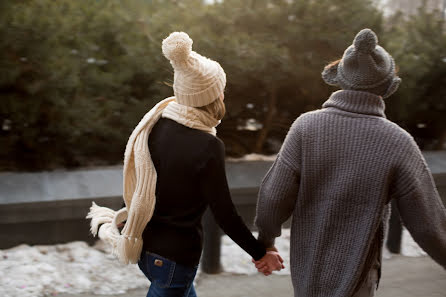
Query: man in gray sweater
335	174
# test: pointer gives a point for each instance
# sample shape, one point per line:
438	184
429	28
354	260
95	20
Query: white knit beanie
198	81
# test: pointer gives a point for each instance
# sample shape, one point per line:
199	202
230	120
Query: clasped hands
270	262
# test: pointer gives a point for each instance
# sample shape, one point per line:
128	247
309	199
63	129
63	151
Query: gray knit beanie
365	66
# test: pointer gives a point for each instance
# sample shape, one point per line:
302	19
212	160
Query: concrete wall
50	207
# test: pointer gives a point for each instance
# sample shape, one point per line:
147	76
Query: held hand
270	262
274	249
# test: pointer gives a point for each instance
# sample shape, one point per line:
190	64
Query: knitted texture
198	81
140	181
365	66
191	117
335	174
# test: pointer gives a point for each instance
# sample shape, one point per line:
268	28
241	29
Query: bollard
395	231
210	259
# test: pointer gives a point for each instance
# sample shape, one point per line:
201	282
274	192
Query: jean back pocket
160	270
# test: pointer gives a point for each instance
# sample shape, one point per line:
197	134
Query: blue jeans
167	278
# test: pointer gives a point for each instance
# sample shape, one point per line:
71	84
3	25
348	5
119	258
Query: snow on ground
235	260
409	247
64	268
253	157
37	271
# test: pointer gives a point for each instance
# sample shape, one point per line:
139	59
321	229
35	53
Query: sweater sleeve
214	188
419	204
279	189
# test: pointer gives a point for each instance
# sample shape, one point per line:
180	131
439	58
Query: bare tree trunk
267	123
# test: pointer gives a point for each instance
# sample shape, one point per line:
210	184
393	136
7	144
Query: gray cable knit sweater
335	174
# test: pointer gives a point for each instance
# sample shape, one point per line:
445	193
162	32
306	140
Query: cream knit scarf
140	181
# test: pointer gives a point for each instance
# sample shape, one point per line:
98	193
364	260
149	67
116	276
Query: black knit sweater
191	175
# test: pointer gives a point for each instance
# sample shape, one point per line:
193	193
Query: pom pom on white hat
177	47
198	81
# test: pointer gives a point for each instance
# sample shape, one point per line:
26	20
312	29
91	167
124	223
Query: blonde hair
216	109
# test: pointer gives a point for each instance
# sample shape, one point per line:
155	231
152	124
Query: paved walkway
402	277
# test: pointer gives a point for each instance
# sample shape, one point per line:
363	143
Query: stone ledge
50	207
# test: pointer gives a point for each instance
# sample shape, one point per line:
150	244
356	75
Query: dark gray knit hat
365	66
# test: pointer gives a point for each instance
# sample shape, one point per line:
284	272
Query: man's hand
270	262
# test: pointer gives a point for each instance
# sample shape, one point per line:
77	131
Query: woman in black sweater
190	169
174	168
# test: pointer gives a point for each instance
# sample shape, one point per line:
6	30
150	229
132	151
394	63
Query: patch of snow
409	247
253	125
47	270
250	125
387	255
253	157
235	260
76	267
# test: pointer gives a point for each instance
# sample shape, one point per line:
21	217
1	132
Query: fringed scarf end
128	249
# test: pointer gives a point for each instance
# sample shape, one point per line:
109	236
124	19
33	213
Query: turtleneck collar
357	102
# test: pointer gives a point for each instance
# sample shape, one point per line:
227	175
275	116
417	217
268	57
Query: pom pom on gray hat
365	41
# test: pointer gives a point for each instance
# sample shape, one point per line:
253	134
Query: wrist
272	249
268	243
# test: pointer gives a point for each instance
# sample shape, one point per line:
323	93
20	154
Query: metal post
395	231
210	260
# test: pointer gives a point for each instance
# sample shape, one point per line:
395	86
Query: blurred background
77	76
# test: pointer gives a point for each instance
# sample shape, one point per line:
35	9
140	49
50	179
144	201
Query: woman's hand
270	262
